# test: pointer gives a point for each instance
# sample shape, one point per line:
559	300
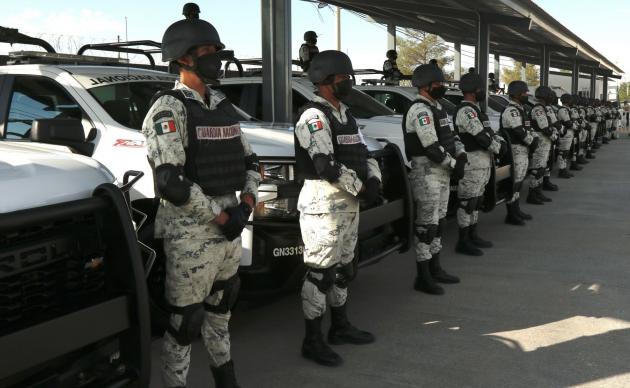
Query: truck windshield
128	102
363	106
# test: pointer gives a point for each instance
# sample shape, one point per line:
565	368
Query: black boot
582	160
604	140
475	239
522	214
589	155
596	145
540	194
512	216
424	281
564	174
465	246
576	167
224	376
548	186
342	332
314	347
533	198
438	272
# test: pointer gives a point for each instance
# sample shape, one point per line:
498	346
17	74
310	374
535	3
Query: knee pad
428	235
470	206
322	278
441	227
230	288
345	274
540	172
190	328
479	203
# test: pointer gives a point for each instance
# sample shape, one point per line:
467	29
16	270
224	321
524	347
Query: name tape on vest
218	133
349	139
444	122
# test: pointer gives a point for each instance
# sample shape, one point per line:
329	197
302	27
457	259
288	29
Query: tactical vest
215	157
445	135
510	131
348	145
469	140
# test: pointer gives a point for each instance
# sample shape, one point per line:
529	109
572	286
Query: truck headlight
278	193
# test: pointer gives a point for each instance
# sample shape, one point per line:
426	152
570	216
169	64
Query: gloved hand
238	216
460	165
534	144
371	190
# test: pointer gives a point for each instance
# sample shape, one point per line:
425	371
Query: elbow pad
435	152
558	125
546	131
519	133
171	184
326	167
484	139
252	163
567	124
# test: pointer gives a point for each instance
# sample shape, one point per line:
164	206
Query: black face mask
480	95
342	89
523	99
437	92
208	67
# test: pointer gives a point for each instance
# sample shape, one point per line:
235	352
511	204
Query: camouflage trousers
329	242
470	195
608	131
431	188
539	161
564	147
192	266
582	136
593	134
520	158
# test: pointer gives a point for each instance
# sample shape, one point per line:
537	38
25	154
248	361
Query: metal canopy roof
518	28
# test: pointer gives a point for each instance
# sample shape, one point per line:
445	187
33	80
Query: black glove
237	221
371	192
460	165
534	144
503	150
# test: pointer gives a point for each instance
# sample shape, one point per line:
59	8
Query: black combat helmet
566	99
543	93
391	54
426	74
191	11
327	63
517	87
310	36
469	83
186	34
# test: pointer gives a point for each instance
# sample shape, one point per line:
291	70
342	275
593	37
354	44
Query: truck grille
49	270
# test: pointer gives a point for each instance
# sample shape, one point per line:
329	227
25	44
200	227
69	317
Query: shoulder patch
162	115
188	94
314	124
424	118
514	113
539	112
471	114
165	126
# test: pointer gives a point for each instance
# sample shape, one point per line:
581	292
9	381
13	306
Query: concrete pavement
546	307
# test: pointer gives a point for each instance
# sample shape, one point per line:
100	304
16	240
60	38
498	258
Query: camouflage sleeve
387	66
314	135
420	120
540	115
563	115
304	53
165	131
511	118
468	121
252	179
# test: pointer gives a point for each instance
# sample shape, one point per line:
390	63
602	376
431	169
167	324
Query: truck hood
35	174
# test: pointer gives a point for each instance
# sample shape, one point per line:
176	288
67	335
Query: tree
624	91
532	75
419	47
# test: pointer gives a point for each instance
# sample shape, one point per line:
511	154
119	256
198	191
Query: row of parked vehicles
81	275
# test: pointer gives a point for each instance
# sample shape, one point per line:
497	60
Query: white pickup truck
74	307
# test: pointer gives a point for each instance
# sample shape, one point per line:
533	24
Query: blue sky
73	23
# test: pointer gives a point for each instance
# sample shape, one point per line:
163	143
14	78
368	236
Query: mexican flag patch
164	127
424	119
471	114
315	124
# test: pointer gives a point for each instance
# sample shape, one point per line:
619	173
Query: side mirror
67	132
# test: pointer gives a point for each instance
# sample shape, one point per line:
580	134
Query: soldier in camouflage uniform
435	153
543	127
556	128
516	125
591	115
390	67
566	137
578	127
308	49
584	131
200	159
482	144
332	159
